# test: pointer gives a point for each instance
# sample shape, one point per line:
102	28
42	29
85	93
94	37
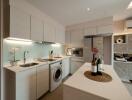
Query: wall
36	50
119	27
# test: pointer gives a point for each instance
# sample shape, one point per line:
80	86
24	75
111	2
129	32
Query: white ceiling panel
70	12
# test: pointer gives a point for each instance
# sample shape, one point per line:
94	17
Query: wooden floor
55	95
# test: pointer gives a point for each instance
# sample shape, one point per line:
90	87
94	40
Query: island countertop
114	90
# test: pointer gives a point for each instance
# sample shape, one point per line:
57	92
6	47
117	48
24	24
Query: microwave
77	52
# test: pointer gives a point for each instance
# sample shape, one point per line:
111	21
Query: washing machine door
57	74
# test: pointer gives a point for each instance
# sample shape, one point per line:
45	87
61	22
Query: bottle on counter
99	66
94	66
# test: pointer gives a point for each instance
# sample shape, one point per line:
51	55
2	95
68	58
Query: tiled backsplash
35	50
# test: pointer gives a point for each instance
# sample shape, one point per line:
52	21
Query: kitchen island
79	87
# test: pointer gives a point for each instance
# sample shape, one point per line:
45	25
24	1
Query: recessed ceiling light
130	5
88	9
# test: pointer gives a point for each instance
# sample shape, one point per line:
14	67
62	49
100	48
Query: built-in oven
77	52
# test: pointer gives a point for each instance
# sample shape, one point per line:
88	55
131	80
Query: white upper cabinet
77	38
36	29
60	35
49	32
19	24
90	31
27	22
105	29
68	38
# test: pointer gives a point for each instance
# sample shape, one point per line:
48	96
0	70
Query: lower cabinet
20	85
42	80
65	67
28	84
75	65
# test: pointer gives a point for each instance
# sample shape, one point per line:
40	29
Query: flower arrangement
94	51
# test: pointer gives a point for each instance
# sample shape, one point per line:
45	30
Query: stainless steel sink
57	57
29	64
49	59
45	60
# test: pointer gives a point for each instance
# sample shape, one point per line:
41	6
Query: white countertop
19	69
114	90
129	62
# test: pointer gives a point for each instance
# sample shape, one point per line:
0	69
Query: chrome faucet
24	59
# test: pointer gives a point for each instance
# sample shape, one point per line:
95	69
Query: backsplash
36	50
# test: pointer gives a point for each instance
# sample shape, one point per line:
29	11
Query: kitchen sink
45	60
29	64
57	57
49	59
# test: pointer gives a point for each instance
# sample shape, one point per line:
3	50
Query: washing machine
55	75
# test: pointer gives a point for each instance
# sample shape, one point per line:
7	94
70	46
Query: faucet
24	59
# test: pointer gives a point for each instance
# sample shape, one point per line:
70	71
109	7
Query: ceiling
69	12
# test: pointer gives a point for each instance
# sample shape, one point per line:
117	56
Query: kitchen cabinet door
42	80
36	29
77	38
19	24
60	35
105	29
65	67
90	31
49	32
75	65
26	85
68	38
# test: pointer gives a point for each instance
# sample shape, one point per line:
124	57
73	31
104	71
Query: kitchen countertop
19	69
123	61
114	90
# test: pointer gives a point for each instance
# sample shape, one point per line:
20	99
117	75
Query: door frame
1	45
